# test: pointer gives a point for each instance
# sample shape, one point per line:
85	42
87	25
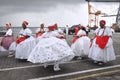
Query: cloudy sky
63	12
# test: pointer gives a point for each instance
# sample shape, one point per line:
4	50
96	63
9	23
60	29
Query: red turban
51	27
25	22
103	22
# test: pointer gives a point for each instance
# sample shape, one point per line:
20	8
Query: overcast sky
63	12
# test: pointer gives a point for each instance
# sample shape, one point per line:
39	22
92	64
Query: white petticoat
99	54
50	50
13	46
2	48
81	46
24	48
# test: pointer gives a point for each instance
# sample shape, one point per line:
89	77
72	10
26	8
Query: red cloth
19	40
103	22
91	41
76	30
38	34
102	41
51	27
75	38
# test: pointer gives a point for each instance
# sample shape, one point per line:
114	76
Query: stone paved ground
13	69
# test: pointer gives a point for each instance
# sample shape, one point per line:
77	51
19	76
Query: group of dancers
51	48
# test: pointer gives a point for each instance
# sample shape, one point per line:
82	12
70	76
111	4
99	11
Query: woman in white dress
81	45
24	43
101	50
51	50
7	40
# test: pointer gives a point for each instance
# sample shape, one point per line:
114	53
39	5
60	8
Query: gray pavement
14	69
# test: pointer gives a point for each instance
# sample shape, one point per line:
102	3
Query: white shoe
11	52
100	63
79	58
56	67
10	55
95	62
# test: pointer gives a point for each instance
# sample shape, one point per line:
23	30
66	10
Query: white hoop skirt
51	50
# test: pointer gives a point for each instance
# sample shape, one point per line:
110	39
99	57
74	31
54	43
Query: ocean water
17	29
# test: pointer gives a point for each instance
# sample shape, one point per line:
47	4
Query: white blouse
81	32
107	31
9	32
26	32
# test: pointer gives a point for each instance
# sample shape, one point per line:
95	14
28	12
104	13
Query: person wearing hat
47	34
25	42
80	44
7	40
24	33
50	50
101	49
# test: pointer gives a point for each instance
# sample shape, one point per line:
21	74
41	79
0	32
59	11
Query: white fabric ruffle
81	46
51	50
99	54
24	48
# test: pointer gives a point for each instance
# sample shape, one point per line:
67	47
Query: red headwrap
25	22
51	27
103	22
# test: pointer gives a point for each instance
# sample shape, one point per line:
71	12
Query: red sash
38	34
76	37
102	41
91	41
76	30
19	40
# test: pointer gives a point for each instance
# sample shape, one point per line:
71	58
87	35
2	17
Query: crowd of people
49	47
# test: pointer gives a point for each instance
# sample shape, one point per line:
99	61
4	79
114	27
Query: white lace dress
81	46
106	54
23	49
50	50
